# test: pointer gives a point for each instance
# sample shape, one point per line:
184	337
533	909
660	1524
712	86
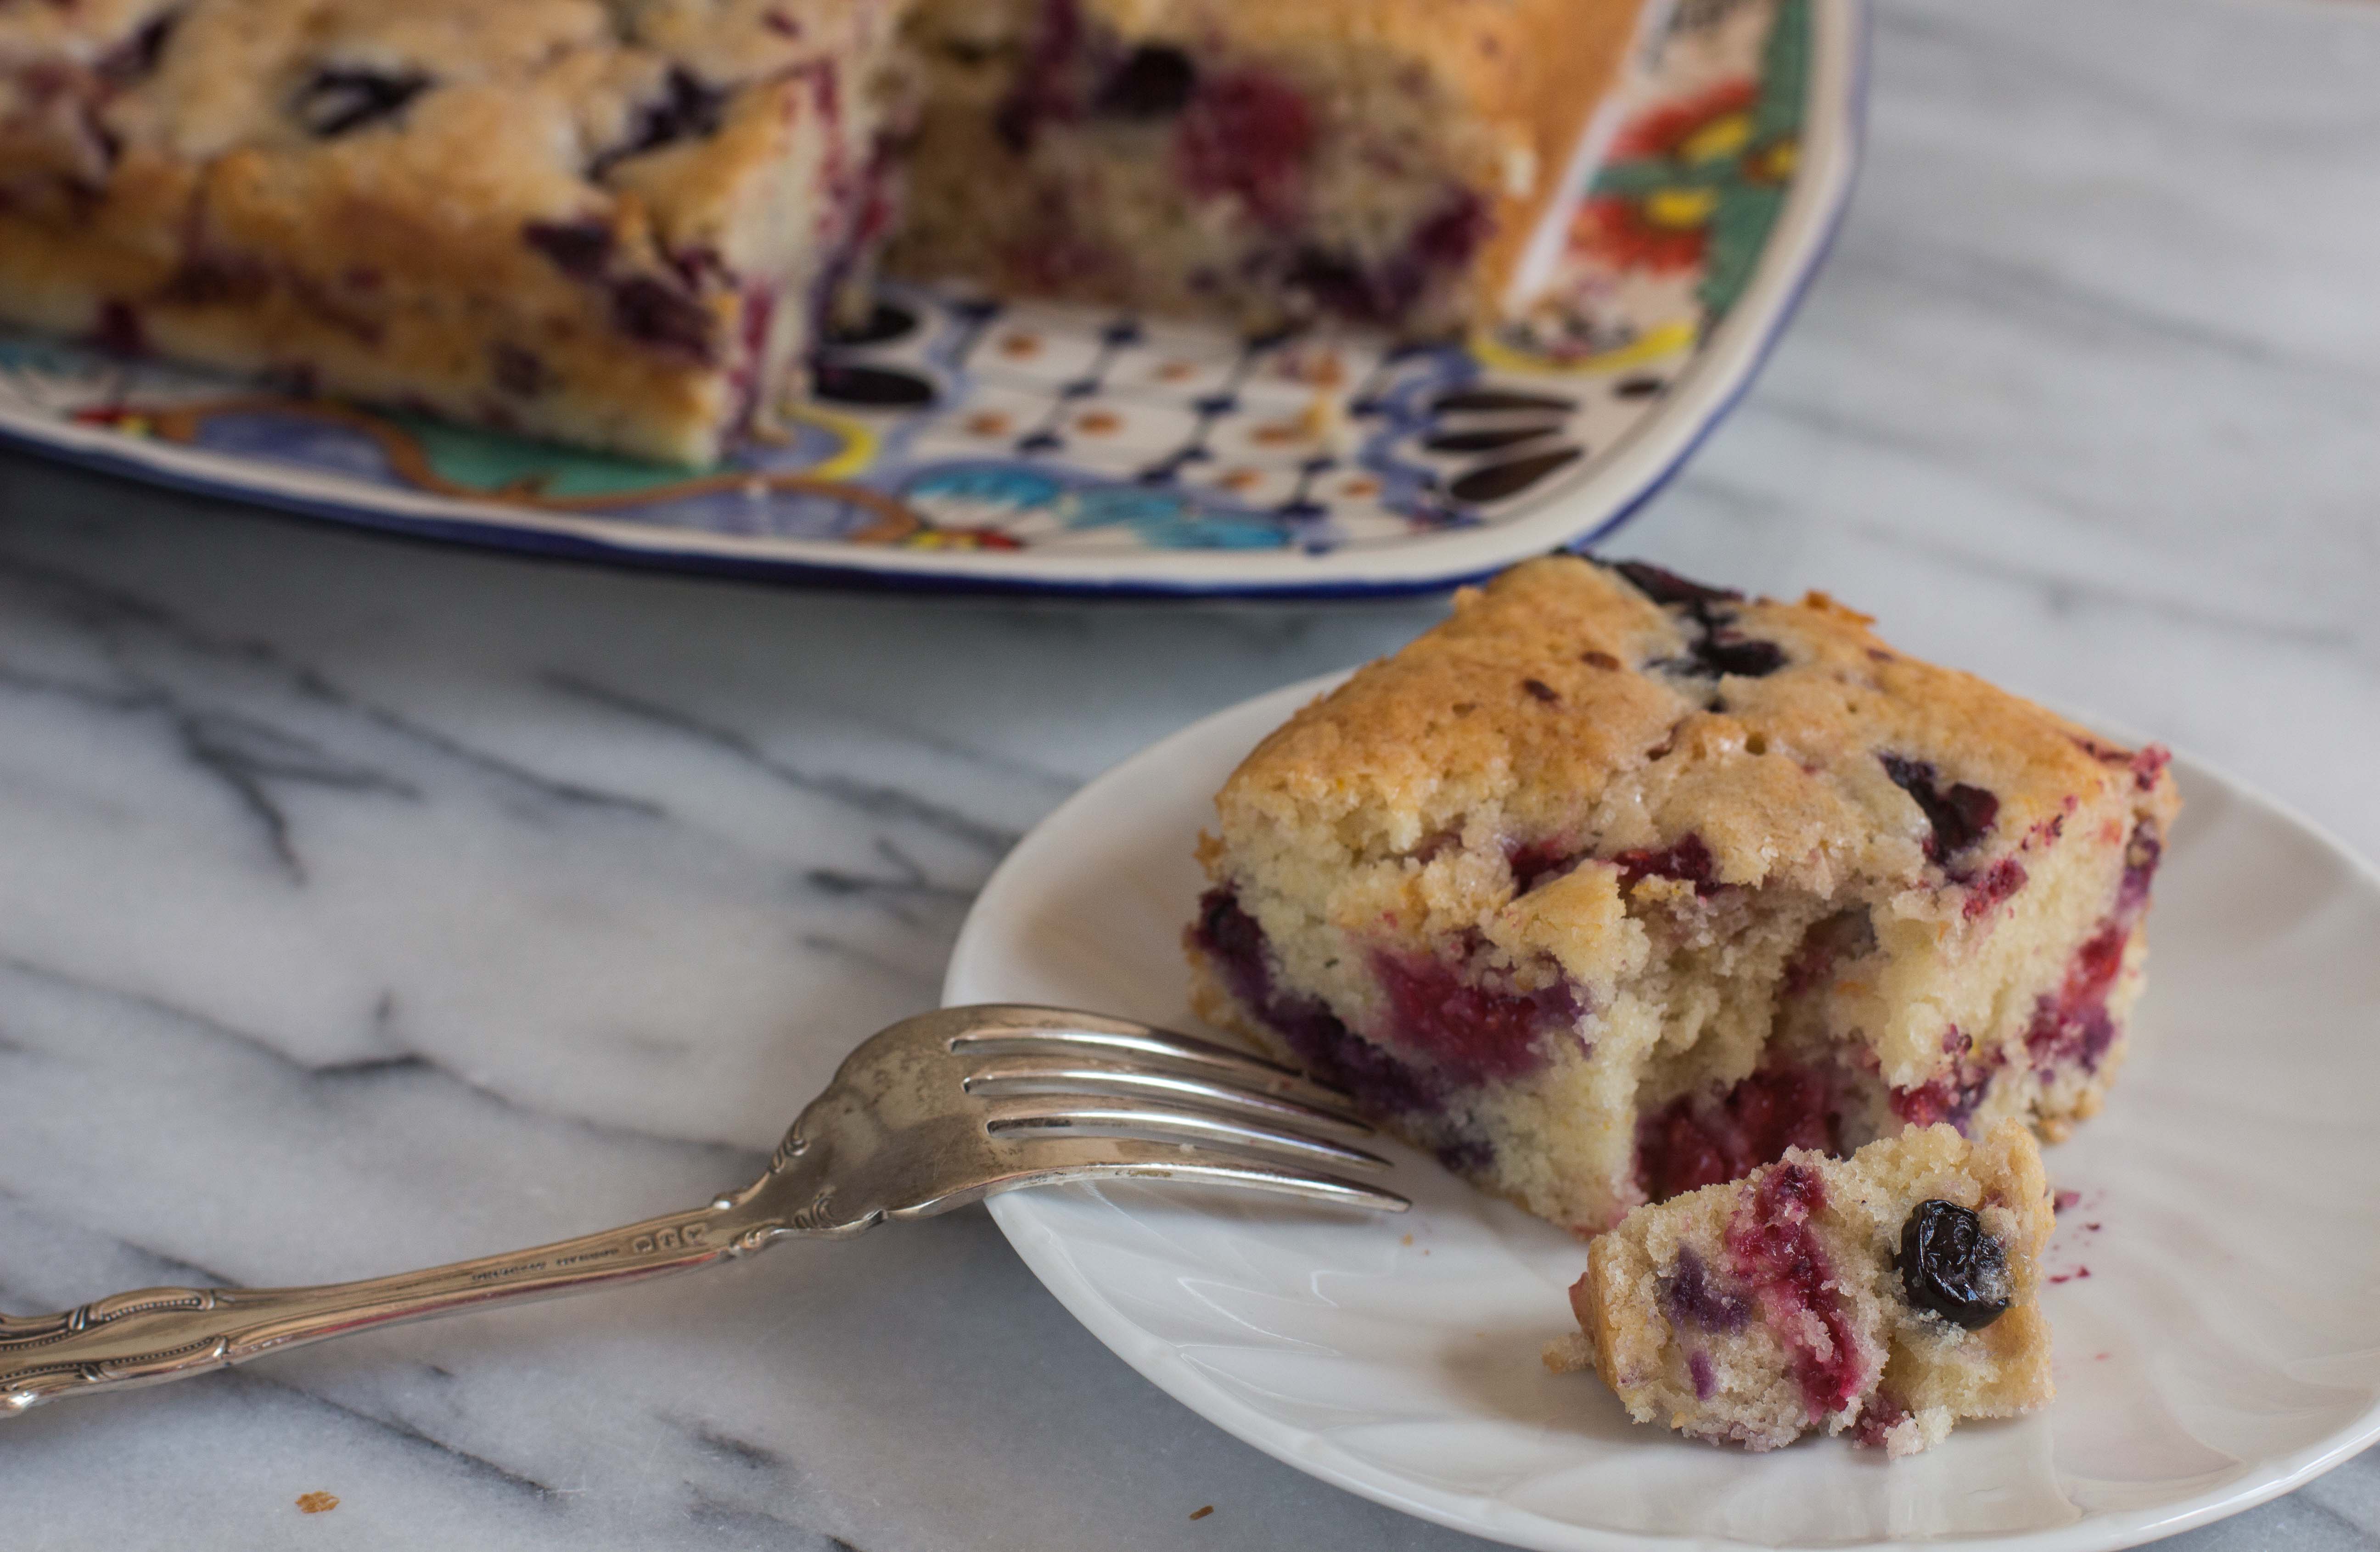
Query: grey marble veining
364	905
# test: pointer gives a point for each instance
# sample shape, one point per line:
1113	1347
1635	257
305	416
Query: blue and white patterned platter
962	442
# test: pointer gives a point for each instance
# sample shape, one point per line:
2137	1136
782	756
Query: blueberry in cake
610	223
1616	885
1380	161
1889	1295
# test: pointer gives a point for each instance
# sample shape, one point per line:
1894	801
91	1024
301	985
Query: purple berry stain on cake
335	101
651	310
687	109
119	332
1699	1367
1717	648
1988	893
1723	652
1666	586
1697	1141
1686	860
1236	944
1246	134
2142	854
1829	943
2146	763
1380	294
752	348
1691	1296
1880	1415
518	371
1043	89
137	56
580	249
1957	816
1952	1097
2073	1025
1475	1032
1533	862
1776	1253
1154	81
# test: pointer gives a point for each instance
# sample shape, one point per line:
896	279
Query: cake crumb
1407	1239
1202	1513
317	1503
1568	1353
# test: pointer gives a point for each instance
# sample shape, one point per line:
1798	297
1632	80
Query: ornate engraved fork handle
155	1334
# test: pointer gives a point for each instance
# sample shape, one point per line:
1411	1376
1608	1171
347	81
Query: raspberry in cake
1889	1295
1616	885
609	223
1382	161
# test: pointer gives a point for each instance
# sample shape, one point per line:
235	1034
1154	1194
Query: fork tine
1037	1073
1003	1029
1048	1161
1057	1114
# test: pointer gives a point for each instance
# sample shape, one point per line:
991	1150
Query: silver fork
933	1113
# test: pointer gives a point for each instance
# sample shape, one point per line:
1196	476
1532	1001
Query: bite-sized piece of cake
1380	161
613	224
1615	885
1891	1293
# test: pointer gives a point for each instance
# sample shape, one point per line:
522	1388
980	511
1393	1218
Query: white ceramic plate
2223	1346
960	443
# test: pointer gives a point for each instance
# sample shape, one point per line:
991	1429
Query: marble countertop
366	905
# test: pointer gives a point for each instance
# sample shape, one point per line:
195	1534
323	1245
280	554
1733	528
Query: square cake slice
1891	1293
613	224
1615	885
1380	162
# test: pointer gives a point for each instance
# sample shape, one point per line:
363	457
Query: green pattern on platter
493	462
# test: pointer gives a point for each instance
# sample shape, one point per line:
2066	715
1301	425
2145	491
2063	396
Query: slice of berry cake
1615	885
611	223
1889	1294
1385	162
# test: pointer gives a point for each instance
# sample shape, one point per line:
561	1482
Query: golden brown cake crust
1523	700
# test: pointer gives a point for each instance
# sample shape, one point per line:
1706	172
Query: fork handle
151	1335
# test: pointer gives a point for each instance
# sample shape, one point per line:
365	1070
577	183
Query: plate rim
1039	1247
1647	457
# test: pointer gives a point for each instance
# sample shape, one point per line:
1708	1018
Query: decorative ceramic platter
2216	1337
958	442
